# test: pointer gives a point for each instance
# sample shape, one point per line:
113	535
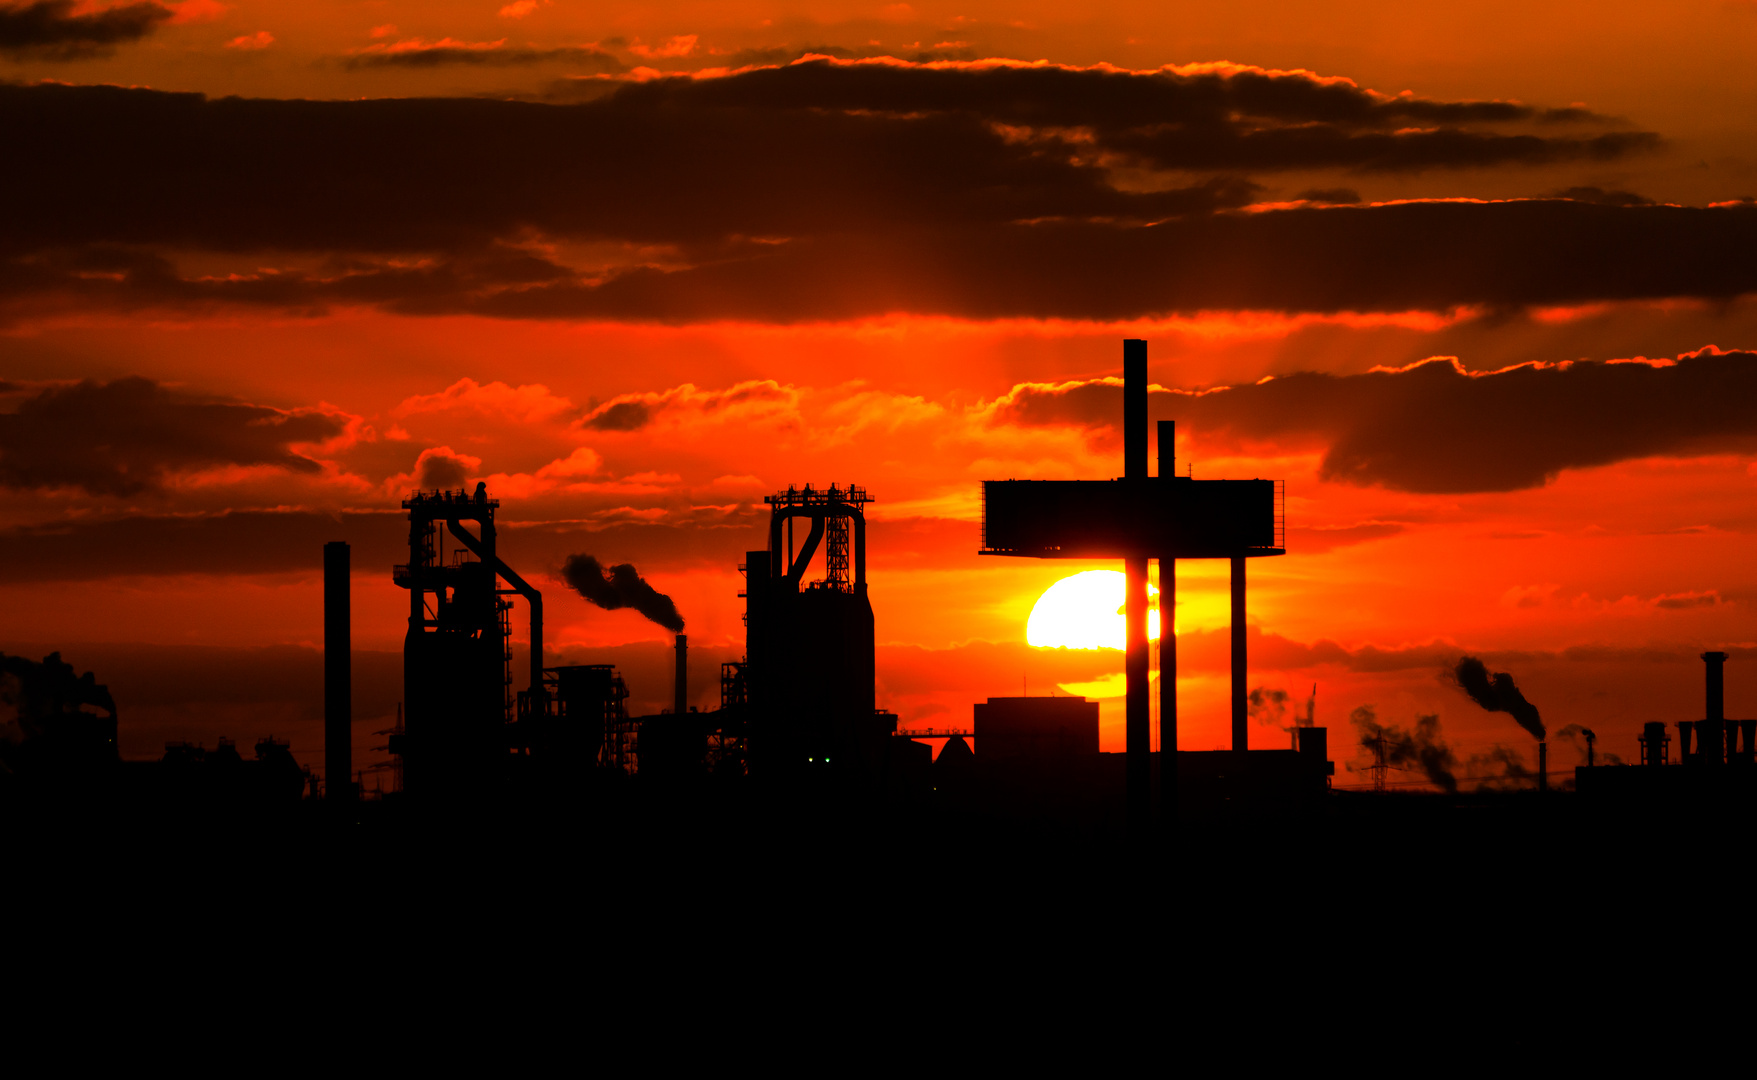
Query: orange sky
933	306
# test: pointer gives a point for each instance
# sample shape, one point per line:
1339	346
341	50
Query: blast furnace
808	676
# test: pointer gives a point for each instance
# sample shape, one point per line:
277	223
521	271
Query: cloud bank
825	190
1436	427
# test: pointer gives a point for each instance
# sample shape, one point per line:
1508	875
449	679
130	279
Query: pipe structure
780	566
1137	706
681	705
338	674
532	597
1168	798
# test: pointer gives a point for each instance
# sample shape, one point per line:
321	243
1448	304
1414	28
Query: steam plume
620	587
1497	693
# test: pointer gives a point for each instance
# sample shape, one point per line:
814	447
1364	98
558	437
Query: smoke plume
1497	693
620	586
1268	706
1579	737
1422	748
1513	773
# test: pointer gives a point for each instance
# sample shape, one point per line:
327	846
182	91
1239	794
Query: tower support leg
1168	690
1240	732
1138	718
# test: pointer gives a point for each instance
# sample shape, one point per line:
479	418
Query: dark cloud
1316	147
291	541
620	416
1496	255
458	175
587	59
1434	428
1332	196
835	190
1603	197
54	30
237	542
1104	100
1230	117
124	437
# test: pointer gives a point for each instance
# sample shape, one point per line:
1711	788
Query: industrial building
466	733
1714	757
799	709
808	677
799	706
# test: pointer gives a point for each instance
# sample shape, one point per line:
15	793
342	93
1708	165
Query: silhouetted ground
731	855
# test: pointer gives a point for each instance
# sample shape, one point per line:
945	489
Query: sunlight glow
1085	611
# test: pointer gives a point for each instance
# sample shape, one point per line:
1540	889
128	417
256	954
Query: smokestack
1711	734
682	688
1543	766
338	674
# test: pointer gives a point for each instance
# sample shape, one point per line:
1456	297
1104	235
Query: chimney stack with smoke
1498	693
682	705
620	586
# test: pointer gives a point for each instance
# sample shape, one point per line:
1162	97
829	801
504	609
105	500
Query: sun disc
1085	611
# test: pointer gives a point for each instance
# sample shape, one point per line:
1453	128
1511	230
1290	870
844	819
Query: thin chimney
338	674
682	703
1711	735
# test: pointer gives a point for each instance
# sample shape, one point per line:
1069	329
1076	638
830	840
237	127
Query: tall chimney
1543	766
1711	735
338	674
682	703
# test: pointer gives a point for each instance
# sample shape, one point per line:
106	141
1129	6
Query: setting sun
1085	611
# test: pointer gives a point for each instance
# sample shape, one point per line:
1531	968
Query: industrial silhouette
1138	518
798	726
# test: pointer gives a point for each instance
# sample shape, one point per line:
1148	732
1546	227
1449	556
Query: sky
1474	281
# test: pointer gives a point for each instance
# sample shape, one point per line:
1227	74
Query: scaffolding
1380	765
726	740
835	538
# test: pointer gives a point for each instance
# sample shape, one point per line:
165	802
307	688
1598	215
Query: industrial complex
798	718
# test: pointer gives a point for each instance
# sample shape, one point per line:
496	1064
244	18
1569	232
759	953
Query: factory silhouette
798	726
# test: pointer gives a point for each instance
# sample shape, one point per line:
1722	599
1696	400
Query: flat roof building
1036	728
